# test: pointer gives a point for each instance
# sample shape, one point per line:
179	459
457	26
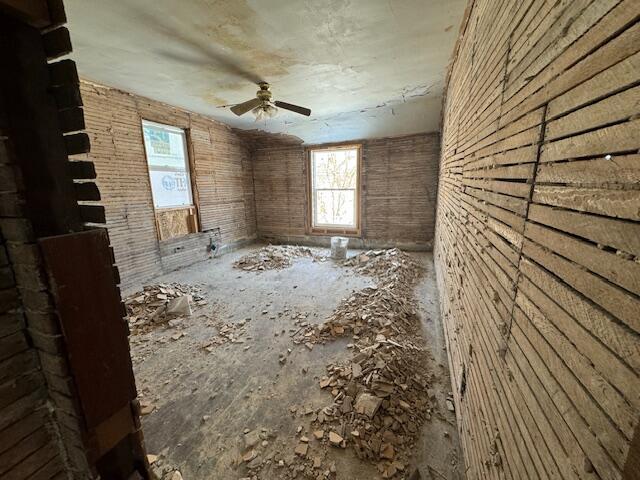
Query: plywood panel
176	222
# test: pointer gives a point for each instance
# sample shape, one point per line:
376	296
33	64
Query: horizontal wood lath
399	178
537	238
279	179
221	167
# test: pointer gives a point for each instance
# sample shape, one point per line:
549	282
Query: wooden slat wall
538	237
399	178
223	175
279	181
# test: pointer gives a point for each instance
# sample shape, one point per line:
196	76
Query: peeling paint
354	63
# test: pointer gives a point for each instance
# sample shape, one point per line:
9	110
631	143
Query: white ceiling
366	68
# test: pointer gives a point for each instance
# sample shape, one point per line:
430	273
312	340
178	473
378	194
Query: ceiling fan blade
244	107
199	62
293	108
218	59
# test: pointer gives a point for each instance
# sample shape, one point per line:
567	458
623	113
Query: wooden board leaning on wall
176	222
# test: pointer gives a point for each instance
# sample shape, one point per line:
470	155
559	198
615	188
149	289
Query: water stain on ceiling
366	68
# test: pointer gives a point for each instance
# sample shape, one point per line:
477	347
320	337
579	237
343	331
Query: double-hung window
334	190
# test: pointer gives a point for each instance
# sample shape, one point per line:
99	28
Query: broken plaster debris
227	332
380	397
160	304
274	257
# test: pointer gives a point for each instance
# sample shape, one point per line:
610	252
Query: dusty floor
203	401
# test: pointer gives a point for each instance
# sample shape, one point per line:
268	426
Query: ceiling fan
207	55
263	107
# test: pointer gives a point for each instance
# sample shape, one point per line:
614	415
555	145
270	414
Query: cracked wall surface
538	239
366	68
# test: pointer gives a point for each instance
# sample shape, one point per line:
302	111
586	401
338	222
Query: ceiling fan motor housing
263	105
264	94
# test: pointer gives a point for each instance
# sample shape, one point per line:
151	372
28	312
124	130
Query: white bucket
339	248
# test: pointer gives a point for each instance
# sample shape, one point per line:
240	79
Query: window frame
333	230
193	208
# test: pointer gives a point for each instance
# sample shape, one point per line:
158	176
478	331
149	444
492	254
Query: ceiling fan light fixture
263	108
264	111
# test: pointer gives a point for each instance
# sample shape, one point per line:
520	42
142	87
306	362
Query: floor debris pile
274	257
227	332
377	313
226	392
385	263
162	469
160	304
380	400
381	395
266	457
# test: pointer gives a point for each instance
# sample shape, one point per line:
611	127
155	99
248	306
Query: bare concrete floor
205	401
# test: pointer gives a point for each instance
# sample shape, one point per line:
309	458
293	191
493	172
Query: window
334	190
166	150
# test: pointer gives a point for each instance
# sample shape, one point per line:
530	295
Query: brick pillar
36	389
61	413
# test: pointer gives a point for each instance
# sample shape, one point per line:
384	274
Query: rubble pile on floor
227	332
377	313
273	257
159	304
381	396
386	263
162	469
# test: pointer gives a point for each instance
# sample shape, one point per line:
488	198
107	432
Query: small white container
339	248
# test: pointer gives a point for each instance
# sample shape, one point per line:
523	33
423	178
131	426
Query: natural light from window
166	150
334	183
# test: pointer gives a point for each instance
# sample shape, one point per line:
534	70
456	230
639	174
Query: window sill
169	209
345	232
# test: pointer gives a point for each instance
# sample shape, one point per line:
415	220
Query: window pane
167	161
335	168
170	189
335	207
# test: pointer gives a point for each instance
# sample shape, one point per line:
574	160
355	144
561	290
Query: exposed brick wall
399	178
223	175
39	423
538	238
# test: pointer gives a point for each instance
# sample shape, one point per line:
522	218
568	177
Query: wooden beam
33	12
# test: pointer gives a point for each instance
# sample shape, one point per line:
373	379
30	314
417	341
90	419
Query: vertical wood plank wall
538	238
223	177
399	181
